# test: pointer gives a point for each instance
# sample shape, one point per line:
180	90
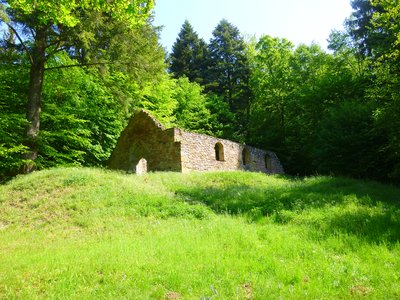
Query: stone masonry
146	145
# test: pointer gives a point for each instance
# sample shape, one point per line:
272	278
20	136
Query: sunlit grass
88	233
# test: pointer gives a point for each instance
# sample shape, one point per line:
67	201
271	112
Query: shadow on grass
332	205
375	226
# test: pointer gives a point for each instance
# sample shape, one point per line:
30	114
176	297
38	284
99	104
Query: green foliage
117	47
229	69
157	98
366	39
223	69
180	103
299	101
293	89
44	29
330	113
222	119
83	111
80	121
13	87
348	143
191	112
385	20
229	73
384	92
83	114
375	31
66	13
87	233
271	86
189	55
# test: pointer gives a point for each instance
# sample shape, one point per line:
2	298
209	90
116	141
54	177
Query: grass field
78	233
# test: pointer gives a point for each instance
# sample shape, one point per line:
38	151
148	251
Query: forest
73	72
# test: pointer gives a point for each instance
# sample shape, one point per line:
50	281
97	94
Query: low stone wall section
198	152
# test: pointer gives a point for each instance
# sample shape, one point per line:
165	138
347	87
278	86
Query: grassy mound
89	233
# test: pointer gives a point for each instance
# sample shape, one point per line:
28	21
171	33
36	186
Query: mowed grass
78	233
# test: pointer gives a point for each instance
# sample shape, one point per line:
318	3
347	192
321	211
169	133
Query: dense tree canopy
44	28
229	72
331	113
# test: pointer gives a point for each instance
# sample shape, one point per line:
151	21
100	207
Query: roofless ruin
146	145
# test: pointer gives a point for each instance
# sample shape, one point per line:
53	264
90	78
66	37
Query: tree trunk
34	99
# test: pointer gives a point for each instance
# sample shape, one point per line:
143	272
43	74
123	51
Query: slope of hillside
90	233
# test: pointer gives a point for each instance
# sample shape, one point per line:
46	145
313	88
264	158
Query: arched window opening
246	156
219	152
268	161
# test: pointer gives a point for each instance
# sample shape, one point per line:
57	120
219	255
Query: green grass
93	234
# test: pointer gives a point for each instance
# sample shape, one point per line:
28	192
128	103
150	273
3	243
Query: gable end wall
145	137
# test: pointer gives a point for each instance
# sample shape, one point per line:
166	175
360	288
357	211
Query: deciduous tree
42	28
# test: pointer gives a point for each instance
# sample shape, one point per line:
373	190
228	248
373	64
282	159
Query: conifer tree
229	71
188	57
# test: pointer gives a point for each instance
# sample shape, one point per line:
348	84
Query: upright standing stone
141	167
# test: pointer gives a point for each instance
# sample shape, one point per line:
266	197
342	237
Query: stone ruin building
146	145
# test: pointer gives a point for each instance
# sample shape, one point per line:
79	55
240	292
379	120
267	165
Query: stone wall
198	152
145	137
146	145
